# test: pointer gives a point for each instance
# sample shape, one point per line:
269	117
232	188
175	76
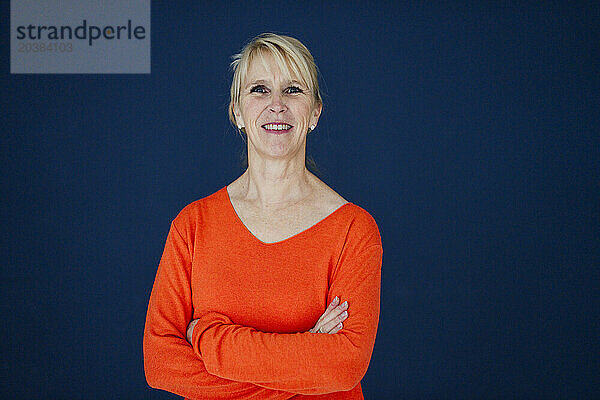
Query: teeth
277	127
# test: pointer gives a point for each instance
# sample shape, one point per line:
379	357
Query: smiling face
276	109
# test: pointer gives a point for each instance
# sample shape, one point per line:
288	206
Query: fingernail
335	300
345	304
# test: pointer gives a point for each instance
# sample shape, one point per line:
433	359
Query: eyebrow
263	82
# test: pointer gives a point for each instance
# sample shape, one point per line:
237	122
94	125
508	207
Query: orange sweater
256	302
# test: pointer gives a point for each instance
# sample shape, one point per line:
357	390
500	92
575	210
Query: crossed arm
331	321
230	360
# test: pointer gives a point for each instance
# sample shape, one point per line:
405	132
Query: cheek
304	112
251	109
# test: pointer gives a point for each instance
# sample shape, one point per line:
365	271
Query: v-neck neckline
288	239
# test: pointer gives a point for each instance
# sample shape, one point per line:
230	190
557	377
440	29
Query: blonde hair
291	56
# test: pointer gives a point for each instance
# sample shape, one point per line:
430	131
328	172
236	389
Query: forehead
265	66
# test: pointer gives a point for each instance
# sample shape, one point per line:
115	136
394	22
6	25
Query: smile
277	127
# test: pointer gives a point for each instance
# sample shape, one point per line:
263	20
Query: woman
247	270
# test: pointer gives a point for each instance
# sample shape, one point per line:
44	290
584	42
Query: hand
190	330
331	320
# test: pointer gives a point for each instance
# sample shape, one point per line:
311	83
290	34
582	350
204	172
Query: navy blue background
469	132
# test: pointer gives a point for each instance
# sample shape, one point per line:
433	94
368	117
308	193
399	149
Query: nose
277	103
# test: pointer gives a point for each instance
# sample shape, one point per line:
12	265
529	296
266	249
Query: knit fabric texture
256	302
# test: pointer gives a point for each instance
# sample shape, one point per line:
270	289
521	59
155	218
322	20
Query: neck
275	184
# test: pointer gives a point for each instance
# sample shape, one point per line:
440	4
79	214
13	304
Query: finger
333	313
190	329
334	302
336	329
331	306
331	324
330	317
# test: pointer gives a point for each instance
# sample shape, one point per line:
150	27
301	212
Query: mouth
277	128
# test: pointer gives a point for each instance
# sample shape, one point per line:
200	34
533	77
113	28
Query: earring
242	129
312	128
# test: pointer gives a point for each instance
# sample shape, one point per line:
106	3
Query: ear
238	117
316	114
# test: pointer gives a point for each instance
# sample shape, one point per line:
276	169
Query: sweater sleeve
304	363
169	360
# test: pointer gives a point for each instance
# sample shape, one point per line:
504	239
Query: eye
294	89
258	89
